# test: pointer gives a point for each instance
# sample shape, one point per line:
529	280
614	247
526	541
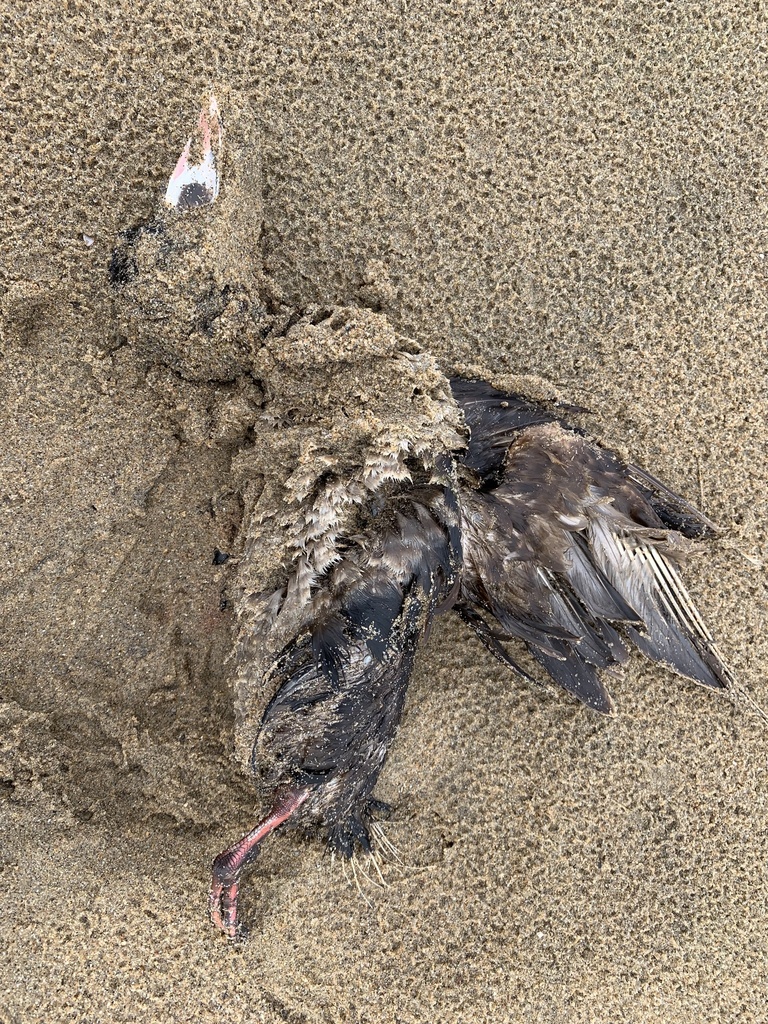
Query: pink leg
229	865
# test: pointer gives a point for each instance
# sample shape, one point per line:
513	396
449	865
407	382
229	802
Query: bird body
526	523
381	492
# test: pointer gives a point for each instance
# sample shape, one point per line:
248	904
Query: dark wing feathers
577	677
674	633
591	586
675	512
340	685
539	535
493	417
572	552
490	639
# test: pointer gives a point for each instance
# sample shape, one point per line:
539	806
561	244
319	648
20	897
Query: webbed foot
230	863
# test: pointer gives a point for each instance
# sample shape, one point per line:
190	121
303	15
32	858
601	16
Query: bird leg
230	863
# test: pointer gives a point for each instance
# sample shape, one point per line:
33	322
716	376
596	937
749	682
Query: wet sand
578	196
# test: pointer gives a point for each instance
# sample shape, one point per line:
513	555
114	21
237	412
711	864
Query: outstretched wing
341	682
572	552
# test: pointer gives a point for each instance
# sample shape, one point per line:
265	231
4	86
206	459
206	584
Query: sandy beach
575	194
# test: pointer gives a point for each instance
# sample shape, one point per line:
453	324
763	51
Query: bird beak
197	184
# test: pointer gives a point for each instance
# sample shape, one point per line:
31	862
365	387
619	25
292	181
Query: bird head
188	282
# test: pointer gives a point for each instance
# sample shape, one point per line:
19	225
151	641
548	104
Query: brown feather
564	546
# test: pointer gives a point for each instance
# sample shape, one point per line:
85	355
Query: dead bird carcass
390	493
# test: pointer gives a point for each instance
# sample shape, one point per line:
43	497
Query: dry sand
577	194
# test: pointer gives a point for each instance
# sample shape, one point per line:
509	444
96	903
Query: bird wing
573	552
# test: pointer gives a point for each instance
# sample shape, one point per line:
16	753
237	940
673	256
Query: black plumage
396	503
340	684
535	534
